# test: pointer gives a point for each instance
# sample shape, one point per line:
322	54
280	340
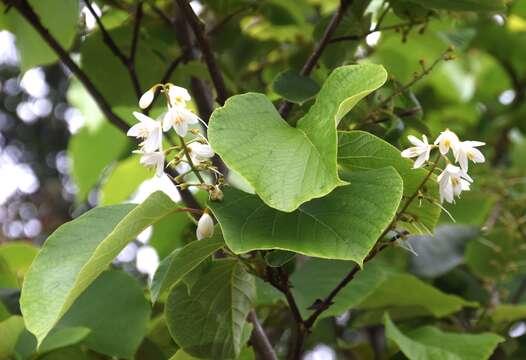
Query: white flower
421	150
147	98
451	182
148	129
179	118
200	152
178	96
447	140
153	159
467	151
205	227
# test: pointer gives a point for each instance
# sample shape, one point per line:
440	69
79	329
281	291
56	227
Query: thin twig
259	339
364	35
312	60
209	58
418	76
279	279
136	29
108	40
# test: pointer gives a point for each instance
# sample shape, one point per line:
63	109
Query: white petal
135	130
465	175
446	192
465	185
424	139
205	227
474	143
420	161
409	153
153	142
168	121
181	128
415	141
146	98
159	171
203	151
188	116
443	148
144	119
462	159
477	156
178	95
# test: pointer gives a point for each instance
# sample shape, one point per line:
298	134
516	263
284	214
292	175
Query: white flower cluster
196	151
178	117
453	179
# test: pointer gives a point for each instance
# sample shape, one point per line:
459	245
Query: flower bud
178	95
205	227
216	194
147	98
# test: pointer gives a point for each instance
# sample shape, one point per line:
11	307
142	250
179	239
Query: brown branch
259	339
312	60
23	7
135	37
376	29
279	279
108	40
209	58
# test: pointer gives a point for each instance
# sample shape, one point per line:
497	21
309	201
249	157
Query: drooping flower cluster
453	179
195	152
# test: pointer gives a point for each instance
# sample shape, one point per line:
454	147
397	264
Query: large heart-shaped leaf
288	166
209	320
359	151
431	343
342	225
77	253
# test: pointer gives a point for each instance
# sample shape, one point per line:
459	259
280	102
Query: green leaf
441	252
10	330
431	343
209	320
488	255
115	310
181	355
288	166
181	261
123	181
279	258
60	17
359	150
344	224
63	337
98	61
463	5
376	287
295	88
91	151
171	233
8	277
508	313
18	255
77	253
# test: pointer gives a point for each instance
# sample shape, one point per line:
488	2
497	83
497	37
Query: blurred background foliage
452	64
